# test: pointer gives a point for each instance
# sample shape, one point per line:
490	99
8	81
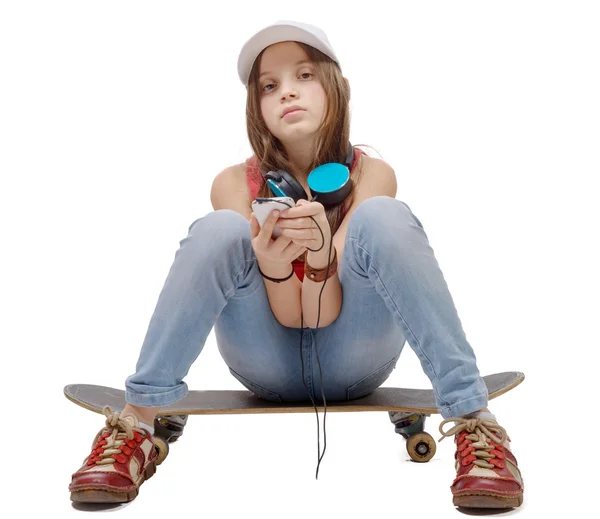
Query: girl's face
288	79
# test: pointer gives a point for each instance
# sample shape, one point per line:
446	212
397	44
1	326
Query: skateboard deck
94	398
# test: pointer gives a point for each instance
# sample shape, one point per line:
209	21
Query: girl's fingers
267	229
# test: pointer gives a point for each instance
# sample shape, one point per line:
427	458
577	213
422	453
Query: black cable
320	456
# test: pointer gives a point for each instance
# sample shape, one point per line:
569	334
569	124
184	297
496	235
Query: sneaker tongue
131	420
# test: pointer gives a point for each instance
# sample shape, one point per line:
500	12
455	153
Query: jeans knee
219	229
378	213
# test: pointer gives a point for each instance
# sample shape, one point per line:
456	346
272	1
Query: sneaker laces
475	447
118	438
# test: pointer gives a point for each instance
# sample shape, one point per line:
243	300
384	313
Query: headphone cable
320	456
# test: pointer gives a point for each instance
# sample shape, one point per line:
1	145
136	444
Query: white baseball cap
283	30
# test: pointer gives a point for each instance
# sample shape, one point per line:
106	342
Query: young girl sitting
373	284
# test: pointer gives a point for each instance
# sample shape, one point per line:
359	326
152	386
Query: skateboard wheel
163	449
421	447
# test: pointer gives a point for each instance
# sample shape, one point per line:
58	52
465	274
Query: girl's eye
271	84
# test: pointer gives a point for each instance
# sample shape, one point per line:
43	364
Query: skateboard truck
167	429
170	427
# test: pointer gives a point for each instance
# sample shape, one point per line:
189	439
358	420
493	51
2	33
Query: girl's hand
295	223
274	256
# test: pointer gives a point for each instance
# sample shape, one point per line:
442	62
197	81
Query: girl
376	285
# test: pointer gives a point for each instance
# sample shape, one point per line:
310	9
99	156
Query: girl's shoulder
376	175
230	190
372	167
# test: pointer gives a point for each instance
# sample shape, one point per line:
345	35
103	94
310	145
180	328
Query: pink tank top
255	181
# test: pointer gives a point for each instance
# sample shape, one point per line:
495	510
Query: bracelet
318	275
273	279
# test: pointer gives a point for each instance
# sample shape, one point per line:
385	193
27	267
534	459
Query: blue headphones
329	184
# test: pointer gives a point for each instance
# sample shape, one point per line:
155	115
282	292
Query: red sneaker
123	456
487	472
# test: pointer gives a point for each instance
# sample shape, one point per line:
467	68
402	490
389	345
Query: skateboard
418	403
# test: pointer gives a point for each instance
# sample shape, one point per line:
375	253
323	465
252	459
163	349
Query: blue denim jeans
393	292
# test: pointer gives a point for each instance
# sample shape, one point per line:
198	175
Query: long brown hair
332	135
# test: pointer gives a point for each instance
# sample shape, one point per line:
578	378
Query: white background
116	116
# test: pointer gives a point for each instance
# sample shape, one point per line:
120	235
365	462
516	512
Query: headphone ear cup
286	183
293	188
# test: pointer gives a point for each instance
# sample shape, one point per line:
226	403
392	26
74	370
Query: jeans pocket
372	381
259	391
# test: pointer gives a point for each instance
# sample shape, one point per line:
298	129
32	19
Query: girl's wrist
319	260
276	271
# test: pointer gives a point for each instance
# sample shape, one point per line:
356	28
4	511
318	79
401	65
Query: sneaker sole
104	495
487	501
